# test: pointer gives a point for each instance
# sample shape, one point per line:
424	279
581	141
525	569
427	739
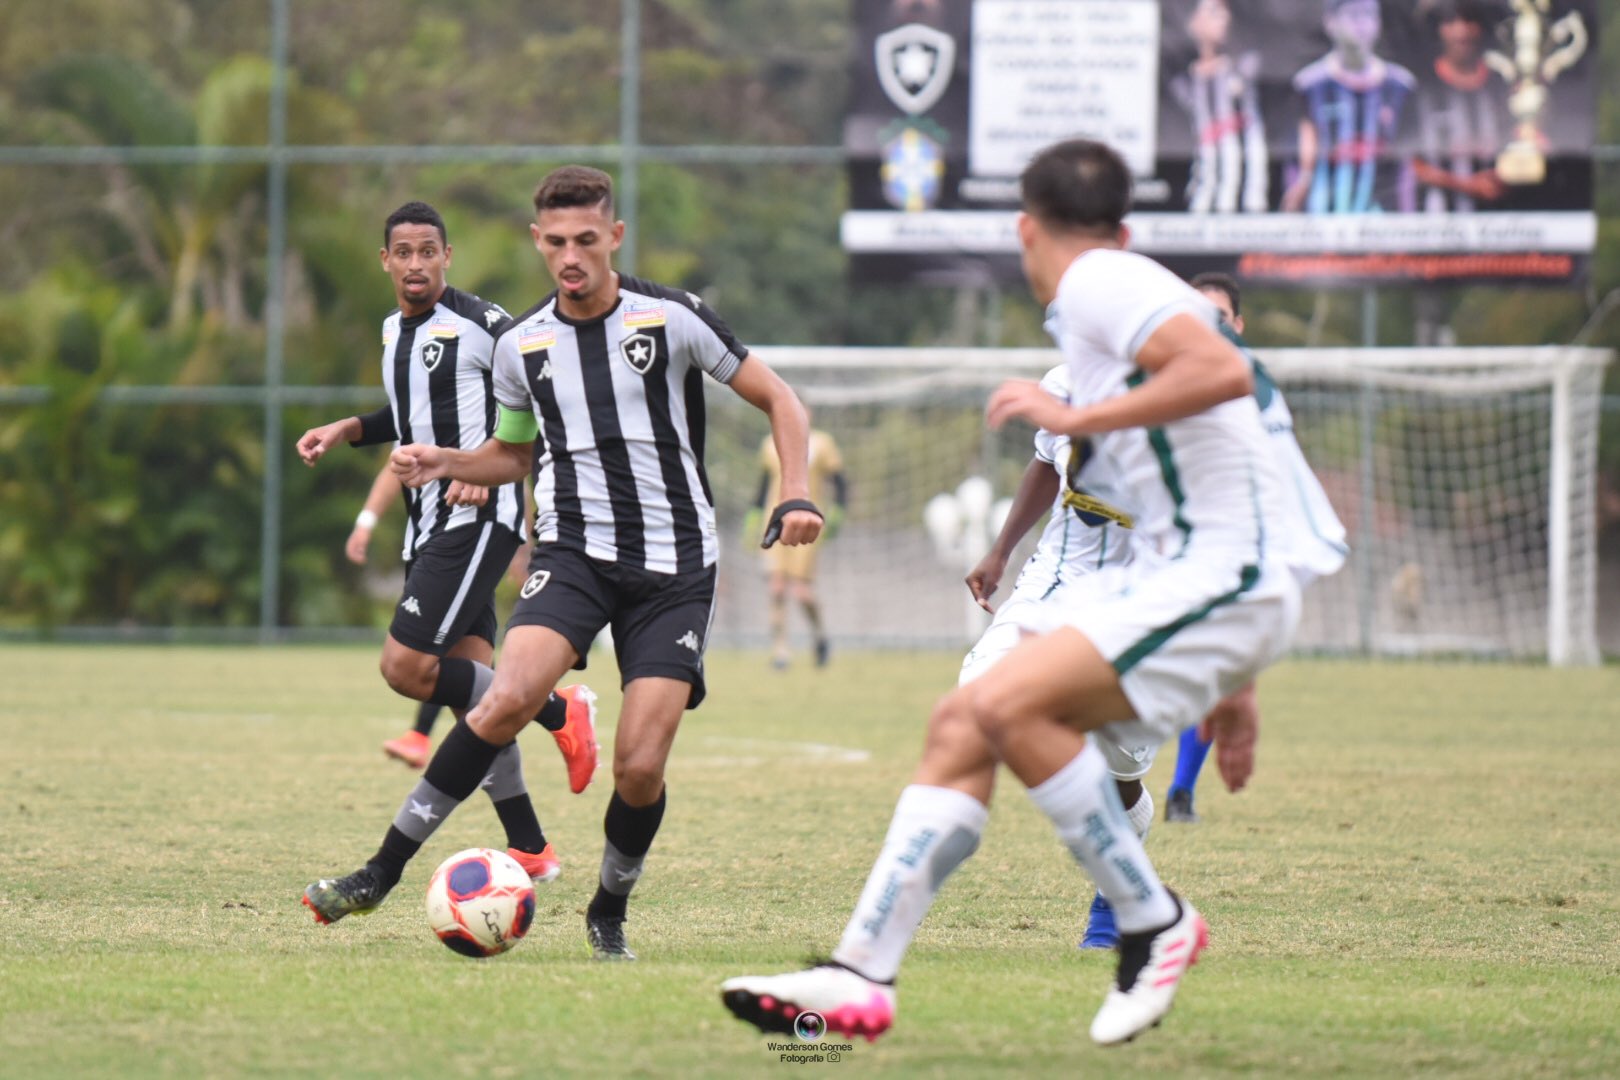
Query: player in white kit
1132	653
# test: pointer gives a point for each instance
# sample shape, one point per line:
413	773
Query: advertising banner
1293	142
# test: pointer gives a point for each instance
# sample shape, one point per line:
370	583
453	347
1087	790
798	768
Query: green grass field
1423	879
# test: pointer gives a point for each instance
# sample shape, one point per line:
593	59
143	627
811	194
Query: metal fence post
274	330
629	130
1366	583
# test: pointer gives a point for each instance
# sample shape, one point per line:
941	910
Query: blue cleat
1101	933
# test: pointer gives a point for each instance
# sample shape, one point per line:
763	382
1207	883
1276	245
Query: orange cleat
577	737
541	868
412	748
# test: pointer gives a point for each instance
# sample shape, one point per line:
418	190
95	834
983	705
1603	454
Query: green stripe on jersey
516	426
1151	643
1167	465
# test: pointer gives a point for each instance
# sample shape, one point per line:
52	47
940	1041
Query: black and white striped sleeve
510	379
706	337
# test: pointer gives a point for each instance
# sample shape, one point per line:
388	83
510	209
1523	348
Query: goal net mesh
1465	478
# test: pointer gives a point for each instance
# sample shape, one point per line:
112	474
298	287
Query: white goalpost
1466	478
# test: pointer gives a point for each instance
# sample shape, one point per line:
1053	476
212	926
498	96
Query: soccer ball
480	902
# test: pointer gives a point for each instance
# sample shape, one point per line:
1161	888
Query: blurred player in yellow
793	569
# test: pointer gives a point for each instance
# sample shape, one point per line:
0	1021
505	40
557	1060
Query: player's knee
995	714
500	714
638	778
951	724
408	672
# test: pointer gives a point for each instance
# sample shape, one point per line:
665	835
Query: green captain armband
513	426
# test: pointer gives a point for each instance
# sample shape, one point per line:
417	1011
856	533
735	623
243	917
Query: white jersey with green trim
1314	541
1072	543
1205	485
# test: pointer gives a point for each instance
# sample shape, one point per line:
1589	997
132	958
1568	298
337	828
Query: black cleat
358	894
1178	806
606	938
823	651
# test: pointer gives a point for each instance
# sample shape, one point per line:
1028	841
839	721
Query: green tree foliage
155	274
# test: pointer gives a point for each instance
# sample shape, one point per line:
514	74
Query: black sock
426	715
389	862
461	762
630	831
458	767
521	825
454	685
553	714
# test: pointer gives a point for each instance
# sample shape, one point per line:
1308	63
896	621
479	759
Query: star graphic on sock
423	810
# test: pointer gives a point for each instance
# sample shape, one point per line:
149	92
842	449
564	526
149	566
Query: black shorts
450	588
660	621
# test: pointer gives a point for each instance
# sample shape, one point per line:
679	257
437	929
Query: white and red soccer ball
480	902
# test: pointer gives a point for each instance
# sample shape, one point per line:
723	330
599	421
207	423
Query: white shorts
1130	755
1182	634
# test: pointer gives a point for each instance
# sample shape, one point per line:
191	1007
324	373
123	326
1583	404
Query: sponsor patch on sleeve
644	313
535	338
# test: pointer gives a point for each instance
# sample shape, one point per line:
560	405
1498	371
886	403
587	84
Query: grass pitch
1422	879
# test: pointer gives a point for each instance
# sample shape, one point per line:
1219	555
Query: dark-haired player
436	367
604	376
1131	653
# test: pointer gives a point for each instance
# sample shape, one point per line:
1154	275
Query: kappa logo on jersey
537	581
545	371
494	315
410	605
639	351
645	314
690	640
432	353
536	338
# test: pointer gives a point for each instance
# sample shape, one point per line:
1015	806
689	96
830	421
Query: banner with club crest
1293	142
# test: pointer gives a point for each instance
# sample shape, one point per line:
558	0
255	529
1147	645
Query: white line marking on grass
764	750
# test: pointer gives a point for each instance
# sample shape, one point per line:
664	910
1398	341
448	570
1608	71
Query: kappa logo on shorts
690	640
410	605
536	581
639	351
432	353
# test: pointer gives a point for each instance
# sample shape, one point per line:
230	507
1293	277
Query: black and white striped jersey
619	401
438	372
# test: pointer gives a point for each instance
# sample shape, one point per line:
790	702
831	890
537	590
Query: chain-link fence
197	194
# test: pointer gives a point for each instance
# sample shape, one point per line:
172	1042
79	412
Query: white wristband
365	519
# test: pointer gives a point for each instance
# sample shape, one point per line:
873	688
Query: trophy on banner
1542	50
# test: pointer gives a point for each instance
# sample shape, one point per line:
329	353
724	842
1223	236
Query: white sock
1083	803
933	831
1141	815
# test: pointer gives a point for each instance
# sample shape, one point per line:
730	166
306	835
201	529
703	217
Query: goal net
1465	477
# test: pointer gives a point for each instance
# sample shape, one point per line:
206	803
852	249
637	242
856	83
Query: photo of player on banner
1302	142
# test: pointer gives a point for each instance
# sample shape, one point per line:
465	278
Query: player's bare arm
1194	370
494	463
1234	726
1035	494
764	389
458	493
384	490
315	442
